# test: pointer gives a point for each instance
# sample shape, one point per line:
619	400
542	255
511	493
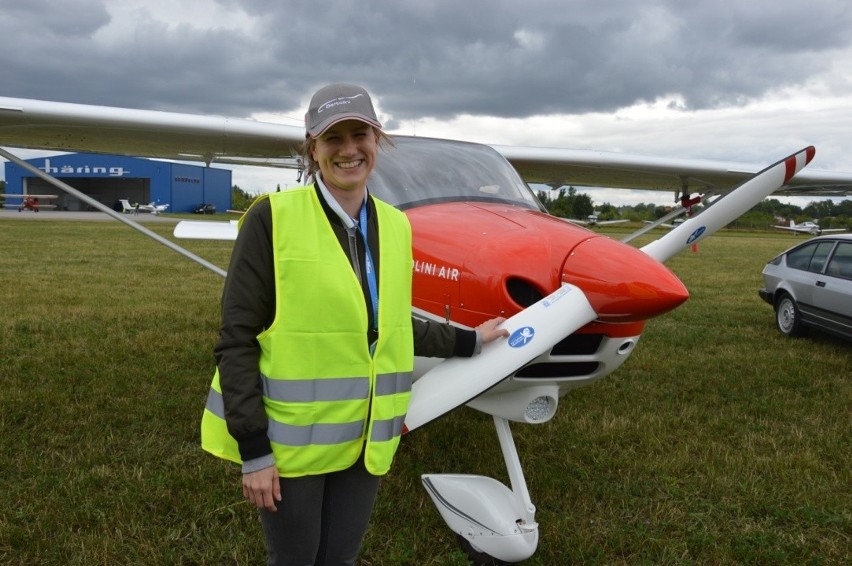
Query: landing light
540	409
531	405
626	347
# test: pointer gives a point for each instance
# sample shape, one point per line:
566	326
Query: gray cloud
438	59
75	18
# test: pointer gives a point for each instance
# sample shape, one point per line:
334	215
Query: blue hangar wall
109	178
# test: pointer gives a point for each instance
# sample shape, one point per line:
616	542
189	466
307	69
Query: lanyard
348	223
368	260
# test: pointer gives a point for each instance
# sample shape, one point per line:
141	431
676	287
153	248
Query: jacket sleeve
248	306
437	340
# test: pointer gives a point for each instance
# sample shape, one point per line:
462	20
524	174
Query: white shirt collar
348	222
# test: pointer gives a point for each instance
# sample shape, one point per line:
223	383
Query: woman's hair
311	166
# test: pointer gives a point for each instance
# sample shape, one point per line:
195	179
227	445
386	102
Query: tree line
240	199
568	203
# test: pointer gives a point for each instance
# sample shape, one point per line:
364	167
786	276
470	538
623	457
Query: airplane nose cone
622	284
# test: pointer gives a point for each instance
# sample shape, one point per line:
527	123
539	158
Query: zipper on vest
372	332
353	253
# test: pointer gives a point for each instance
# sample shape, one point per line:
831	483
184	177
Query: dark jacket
248	306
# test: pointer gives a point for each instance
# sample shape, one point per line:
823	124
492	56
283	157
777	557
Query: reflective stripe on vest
338	389
317	433
319	425
308	390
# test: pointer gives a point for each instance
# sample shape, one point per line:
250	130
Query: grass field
718	442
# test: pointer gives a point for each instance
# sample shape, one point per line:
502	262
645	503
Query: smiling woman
323	423
346	154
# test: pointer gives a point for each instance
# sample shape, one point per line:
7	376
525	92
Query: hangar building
108	178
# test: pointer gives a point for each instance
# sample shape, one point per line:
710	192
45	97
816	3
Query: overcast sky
735	80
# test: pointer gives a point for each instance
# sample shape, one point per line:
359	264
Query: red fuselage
474	261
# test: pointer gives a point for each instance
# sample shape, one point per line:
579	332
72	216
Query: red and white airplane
27	201
576	302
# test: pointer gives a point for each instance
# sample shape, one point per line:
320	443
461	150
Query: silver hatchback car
810	285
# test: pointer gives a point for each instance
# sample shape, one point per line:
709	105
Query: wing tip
798	161
810	152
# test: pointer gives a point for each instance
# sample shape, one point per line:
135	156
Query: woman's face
346	154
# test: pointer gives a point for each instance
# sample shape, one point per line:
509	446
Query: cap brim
326	124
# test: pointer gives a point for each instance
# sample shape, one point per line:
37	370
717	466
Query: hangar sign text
83	170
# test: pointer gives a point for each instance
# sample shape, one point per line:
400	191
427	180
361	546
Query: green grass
718	442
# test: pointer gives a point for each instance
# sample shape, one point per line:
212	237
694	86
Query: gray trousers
321	520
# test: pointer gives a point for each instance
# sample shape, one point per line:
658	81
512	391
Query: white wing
206	230
589	168
60	126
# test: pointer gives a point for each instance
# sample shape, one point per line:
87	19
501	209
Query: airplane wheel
477	557
787	316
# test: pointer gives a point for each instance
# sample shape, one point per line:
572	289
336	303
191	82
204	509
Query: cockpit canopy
419	171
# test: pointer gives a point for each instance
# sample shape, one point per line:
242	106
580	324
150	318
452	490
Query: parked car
810	286
205	208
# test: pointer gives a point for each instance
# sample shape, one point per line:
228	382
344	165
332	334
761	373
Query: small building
109	178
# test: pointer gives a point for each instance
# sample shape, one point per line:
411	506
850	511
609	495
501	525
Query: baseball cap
337	102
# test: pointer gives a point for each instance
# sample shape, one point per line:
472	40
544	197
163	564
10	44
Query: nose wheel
493	523
477	557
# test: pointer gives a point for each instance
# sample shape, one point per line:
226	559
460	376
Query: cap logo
337	102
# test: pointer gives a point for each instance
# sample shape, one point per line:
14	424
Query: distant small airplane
808	228
674	223
151	207
592	220
29	202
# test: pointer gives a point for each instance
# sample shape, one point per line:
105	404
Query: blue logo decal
521	337
695	235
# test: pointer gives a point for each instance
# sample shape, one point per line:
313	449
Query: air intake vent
522	292
557	370
578	345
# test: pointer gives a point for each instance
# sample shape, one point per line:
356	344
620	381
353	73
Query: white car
810	285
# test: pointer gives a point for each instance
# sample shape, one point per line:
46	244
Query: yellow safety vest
325	396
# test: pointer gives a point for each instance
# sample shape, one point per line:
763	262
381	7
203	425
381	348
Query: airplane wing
206	230
596	222
60	126
659	224
13	195
726	209
589	168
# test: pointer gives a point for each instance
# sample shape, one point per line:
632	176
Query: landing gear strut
496	524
